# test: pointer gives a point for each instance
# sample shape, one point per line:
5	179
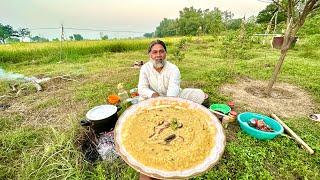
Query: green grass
50	151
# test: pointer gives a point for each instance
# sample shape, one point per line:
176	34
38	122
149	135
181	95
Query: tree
148	35
23	32
212	22
71	38
12	40
167	27
6	31
311	25
39	39
190	21
55	39
296	12
265	15
227	15
233	24
251	26
104	37
77	37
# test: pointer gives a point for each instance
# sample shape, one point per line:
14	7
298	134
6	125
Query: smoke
9	76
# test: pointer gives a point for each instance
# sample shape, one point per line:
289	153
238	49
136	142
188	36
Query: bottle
231	105
122	93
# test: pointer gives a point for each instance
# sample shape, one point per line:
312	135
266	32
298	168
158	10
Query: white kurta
166	83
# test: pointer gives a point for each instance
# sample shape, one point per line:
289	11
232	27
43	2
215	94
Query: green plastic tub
225	109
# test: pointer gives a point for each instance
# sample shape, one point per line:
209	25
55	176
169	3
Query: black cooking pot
101	118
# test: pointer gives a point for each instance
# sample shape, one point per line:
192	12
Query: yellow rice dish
169	137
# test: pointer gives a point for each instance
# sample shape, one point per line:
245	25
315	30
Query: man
158	77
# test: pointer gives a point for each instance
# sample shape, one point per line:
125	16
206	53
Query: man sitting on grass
159	77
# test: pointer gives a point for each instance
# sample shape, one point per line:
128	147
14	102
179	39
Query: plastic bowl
245	117
225	109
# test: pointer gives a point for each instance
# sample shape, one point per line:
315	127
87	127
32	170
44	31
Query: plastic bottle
122	93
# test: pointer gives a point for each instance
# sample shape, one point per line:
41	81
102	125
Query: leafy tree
227	15
77	37
23	32
265	15
39	39
6	31
212	21
104	37
167	27
311	25
55	39
148	35
193	21
190	21
233	24
12	40
251	26
71	38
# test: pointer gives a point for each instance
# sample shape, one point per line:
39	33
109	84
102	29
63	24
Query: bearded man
158	77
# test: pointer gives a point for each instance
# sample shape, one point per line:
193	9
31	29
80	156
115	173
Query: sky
132	17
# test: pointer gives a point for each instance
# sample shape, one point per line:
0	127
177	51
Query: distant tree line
10	35
193	22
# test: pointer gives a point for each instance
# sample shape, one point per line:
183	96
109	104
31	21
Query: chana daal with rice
169	137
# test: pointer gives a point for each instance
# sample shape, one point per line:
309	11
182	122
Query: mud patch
286	100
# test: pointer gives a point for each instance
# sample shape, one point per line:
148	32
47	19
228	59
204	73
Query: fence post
61	39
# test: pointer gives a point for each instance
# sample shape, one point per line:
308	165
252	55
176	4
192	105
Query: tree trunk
284	49
276	71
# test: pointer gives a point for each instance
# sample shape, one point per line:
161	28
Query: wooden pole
61	39
293	134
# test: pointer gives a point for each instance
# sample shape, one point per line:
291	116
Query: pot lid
101	112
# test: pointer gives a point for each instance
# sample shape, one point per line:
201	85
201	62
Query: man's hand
154	95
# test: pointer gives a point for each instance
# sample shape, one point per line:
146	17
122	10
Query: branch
5	96
291	7
280	5
296	2
306	11
316	6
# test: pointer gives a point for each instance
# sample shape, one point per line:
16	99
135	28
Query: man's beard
157	64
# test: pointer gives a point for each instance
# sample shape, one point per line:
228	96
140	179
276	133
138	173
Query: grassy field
40	132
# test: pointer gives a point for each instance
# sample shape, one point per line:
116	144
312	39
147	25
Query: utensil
101	118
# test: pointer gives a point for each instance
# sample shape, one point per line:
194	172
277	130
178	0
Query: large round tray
209	162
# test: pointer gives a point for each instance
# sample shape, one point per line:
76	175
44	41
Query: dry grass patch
286	100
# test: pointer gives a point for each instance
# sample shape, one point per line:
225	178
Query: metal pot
101	118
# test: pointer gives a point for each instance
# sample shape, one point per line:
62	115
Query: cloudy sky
111	15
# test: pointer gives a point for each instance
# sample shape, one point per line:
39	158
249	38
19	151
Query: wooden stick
219	113
293	134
